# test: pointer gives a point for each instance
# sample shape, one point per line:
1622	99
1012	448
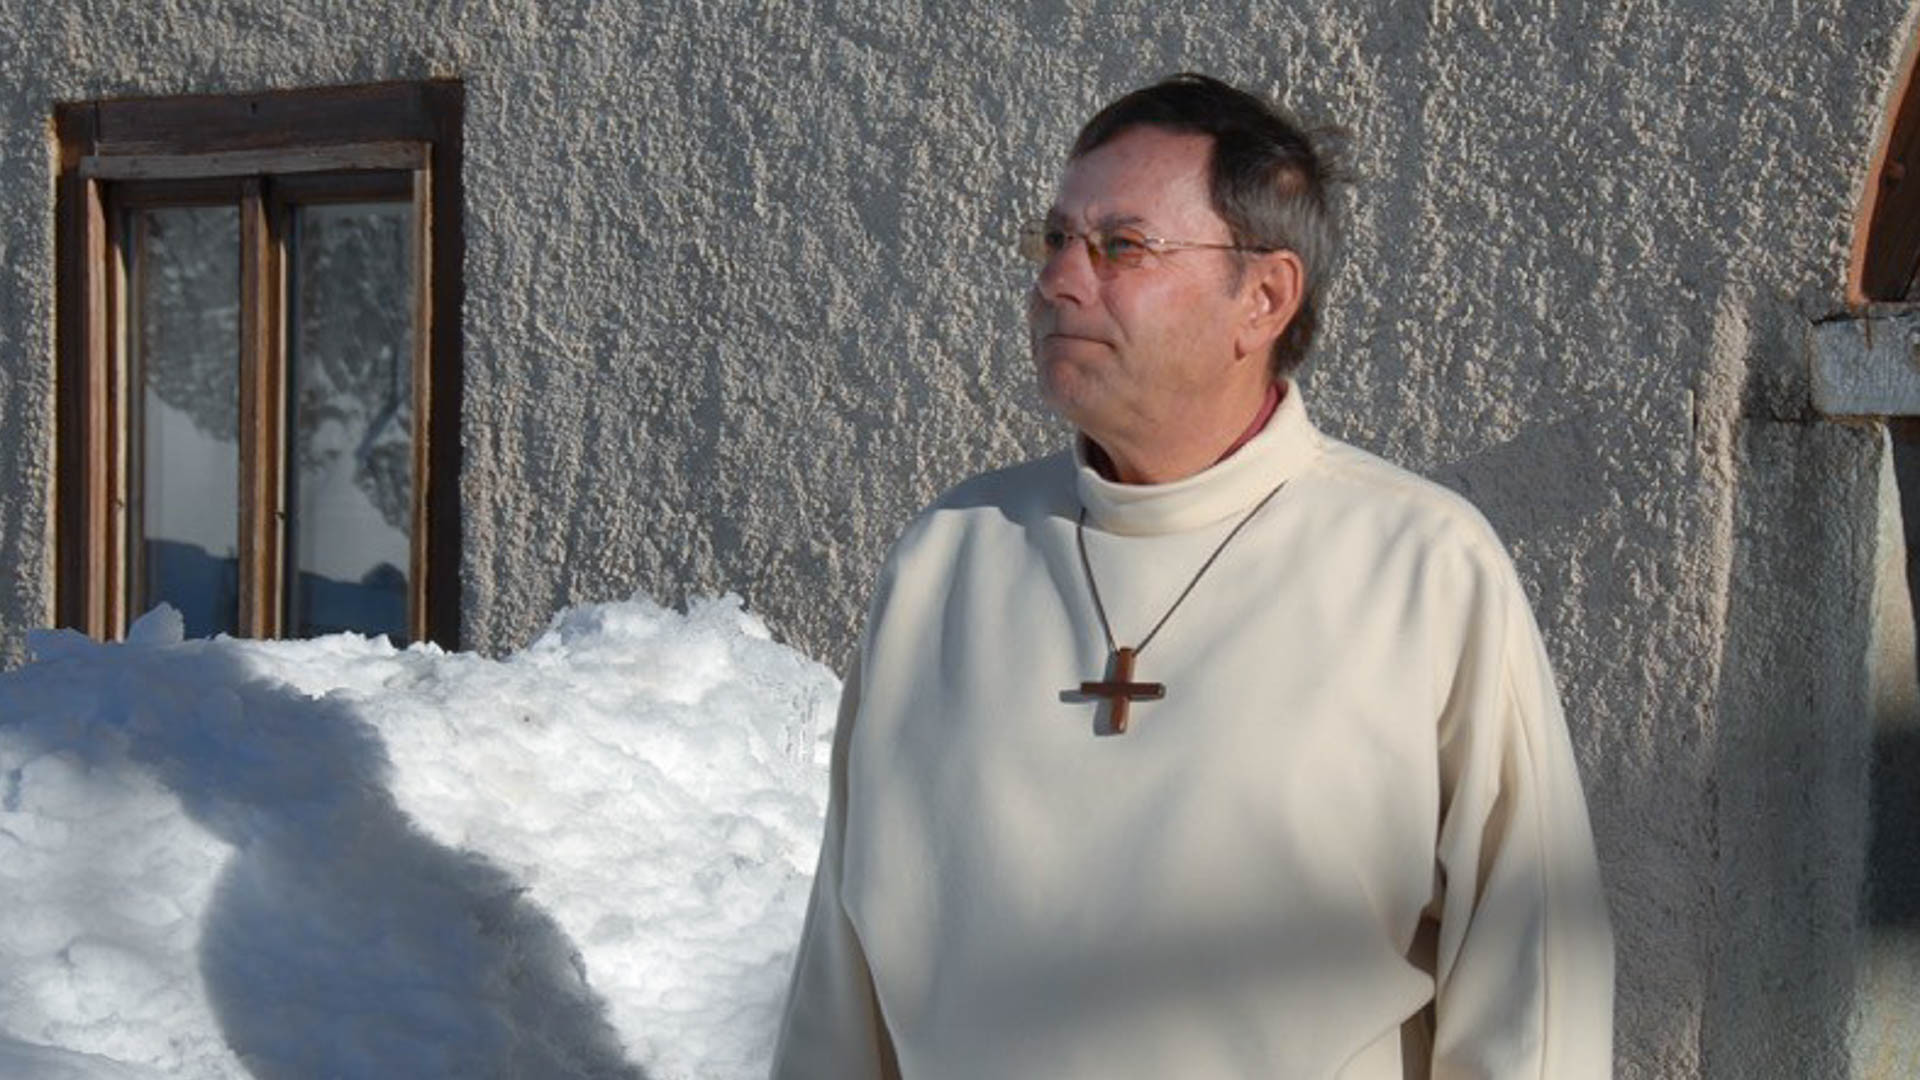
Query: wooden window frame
263	152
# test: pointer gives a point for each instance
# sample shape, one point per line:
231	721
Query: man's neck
1180	463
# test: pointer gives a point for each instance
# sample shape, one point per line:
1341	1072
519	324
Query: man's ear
1274	284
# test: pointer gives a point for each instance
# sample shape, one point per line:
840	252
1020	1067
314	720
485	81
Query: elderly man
1212	747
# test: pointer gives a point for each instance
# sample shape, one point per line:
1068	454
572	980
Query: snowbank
331	858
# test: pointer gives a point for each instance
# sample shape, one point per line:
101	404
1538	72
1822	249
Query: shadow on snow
340	940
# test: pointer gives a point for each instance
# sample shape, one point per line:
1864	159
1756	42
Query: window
259	362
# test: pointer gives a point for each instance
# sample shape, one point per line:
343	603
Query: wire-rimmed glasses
1121	247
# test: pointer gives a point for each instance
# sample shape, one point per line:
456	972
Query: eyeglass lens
1118	247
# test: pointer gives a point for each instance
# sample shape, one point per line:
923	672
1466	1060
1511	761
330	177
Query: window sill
1870	365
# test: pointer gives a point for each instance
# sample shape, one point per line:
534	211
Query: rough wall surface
739	300
1886	1038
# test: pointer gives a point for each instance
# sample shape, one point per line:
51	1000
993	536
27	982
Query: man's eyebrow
1108	221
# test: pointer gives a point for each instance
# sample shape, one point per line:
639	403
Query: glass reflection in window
350	443
184	296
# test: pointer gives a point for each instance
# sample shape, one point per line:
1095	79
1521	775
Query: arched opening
1886	248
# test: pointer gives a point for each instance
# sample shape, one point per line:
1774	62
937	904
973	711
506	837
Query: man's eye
1055	239
1124	247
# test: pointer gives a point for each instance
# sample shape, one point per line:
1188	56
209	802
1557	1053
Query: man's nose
1068	274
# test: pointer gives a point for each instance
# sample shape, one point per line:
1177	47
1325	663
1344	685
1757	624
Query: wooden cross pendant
1120	690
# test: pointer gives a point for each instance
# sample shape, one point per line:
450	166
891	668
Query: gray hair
1269	179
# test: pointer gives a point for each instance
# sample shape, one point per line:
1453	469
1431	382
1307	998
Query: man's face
1122	353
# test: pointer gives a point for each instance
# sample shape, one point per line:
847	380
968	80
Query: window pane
351	442
184	274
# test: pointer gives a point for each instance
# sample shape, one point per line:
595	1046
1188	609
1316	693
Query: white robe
1357	799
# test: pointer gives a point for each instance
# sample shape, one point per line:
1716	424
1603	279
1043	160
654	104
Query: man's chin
1065	388
1063	363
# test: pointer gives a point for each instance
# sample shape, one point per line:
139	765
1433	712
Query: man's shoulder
1405	503
1015	493
983	521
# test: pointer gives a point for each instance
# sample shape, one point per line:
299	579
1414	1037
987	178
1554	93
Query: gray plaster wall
739	299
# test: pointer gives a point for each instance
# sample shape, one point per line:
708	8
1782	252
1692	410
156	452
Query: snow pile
332	858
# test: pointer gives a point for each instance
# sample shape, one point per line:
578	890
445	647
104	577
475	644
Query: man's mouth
1069	335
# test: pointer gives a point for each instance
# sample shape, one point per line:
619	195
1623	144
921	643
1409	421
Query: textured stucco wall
738	301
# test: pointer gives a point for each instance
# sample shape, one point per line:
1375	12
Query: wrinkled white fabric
1350	841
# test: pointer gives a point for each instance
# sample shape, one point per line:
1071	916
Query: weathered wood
110	357
149	194
418	537
275	394
344	157
283	118
262	404
73	128
83	391
445	103
307	189
105	609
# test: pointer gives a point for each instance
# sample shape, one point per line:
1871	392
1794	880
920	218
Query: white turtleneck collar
1279	452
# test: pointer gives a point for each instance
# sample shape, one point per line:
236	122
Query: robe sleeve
832	1028
1524	964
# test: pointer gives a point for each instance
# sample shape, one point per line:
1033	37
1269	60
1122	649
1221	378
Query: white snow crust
332	858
